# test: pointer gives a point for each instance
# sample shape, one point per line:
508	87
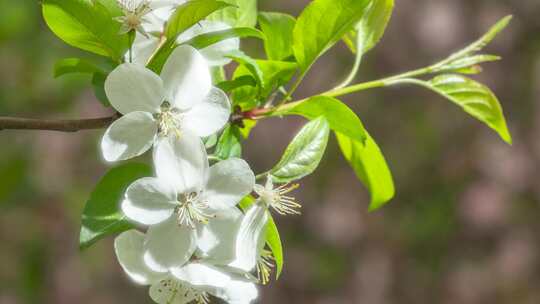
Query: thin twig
63	125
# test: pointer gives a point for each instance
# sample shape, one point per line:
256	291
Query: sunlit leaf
208	39
274	242
339	116
102	215
229	143
242	13
321	25
88	25
278	28
275	74
369	31
189	13
304	153
370	166
473	97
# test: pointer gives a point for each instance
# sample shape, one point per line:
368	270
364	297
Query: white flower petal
228	182
216	240
143	48
251	235
149	201
129	251
238	292
132	87
168	245
129	136
210	115
163	9
182	162
214	53
199	274
171	291
187	77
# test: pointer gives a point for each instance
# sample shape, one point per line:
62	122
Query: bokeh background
463	227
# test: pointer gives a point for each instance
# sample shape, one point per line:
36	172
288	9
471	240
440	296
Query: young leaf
275	74
460	64
102	216
242	13
242	81
340	117
321	25
274	242
473	97
278	29
479	44
304	153
370	167
189	13
205	40
88	25
371	28
75	65
229	143
250	64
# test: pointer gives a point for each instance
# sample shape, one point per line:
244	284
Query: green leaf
242	81
304	153
358	147
205	40
250	64
75	65
473	97
370	166
278	29
274	242
98	83
88	25
102	216
275	74
189	13
371	28
229	143
243	13
321	25
463	64
483	41
340	117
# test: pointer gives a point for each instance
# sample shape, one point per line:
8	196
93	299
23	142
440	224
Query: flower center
191	209
133	15
276	198
169	120
264	266
174	288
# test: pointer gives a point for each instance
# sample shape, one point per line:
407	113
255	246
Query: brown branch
64	125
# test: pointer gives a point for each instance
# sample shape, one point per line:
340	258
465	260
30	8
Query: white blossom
277	198
191	282
181	103
188	199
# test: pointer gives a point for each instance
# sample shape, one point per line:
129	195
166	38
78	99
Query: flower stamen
169	120
265	263
134	15
191	210
277	198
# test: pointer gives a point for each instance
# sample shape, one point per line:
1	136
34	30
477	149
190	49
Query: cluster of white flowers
198	243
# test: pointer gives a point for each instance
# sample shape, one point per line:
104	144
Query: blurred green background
463	227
